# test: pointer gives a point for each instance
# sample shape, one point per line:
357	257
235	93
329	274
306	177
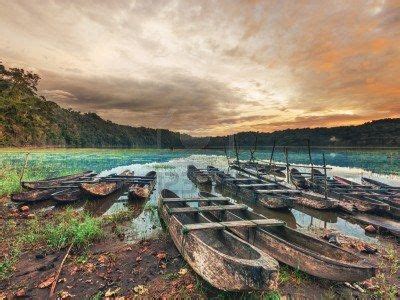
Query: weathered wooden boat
304	198
198	176
218	256
68	195
143	189
297	179
256	190
54	181
101	188
382	224
33	196
260	169
380	185
348	199
294	248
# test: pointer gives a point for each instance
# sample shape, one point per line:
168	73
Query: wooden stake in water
309	155
23	169
272	156
325	176
236	149
287	163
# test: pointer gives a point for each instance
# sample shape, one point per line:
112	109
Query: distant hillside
29	120
380	133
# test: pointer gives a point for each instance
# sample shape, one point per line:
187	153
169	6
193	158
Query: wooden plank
232	224
240	179
56	187
278	191
269	222
206	208
257	185
179	200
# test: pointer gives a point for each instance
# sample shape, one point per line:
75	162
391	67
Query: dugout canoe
198	176
297	179
30	185
297	249
225	261
33	196
304	198
380	185
143	189
102	188
67	196
256	190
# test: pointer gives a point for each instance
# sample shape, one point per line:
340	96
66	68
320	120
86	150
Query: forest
27	119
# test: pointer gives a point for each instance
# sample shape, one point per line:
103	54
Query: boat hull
221	270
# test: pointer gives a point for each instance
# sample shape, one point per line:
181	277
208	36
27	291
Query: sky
211	67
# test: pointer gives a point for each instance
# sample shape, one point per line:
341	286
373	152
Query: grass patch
9	180
64	228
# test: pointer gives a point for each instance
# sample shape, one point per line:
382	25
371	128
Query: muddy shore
112	267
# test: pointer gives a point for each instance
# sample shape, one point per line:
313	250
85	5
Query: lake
171	173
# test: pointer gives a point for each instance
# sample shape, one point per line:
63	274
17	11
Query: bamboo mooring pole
236	149
272	156
325	176
287	164
309	155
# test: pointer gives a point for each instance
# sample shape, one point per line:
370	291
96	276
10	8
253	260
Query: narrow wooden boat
102	188
377	184
67	195
218	256
198	176
297	249
143	189
54	181
255	190
298	180
304	198
33	196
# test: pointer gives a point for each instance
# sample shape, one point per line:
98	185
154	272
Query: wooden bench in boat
240	179
244	185
176	210
194	199
278	192
232	224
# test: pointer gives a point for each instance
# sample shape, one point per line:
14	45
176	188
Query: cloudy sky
211	67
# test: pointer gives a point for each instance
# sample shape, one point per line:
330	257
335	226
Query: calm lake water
171	173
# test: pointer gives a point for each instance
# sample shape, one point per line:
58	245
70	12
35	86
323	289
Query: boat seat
257	185
206	208
194	199
232	224
278	191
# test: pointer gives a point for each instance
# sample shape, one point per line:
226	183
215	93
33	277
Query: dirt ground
112	268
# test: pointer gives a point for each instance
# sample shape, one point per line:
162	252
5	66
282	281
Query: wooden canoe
377	184
67	196
218	256
298	180
297	249
255	190
102	188
143	190
198	176
54	181
33	196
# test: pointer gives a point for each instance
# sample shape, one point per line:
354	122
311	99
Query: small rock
370	229
30	216
369	249
20	293
182	271
24	208
40	255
